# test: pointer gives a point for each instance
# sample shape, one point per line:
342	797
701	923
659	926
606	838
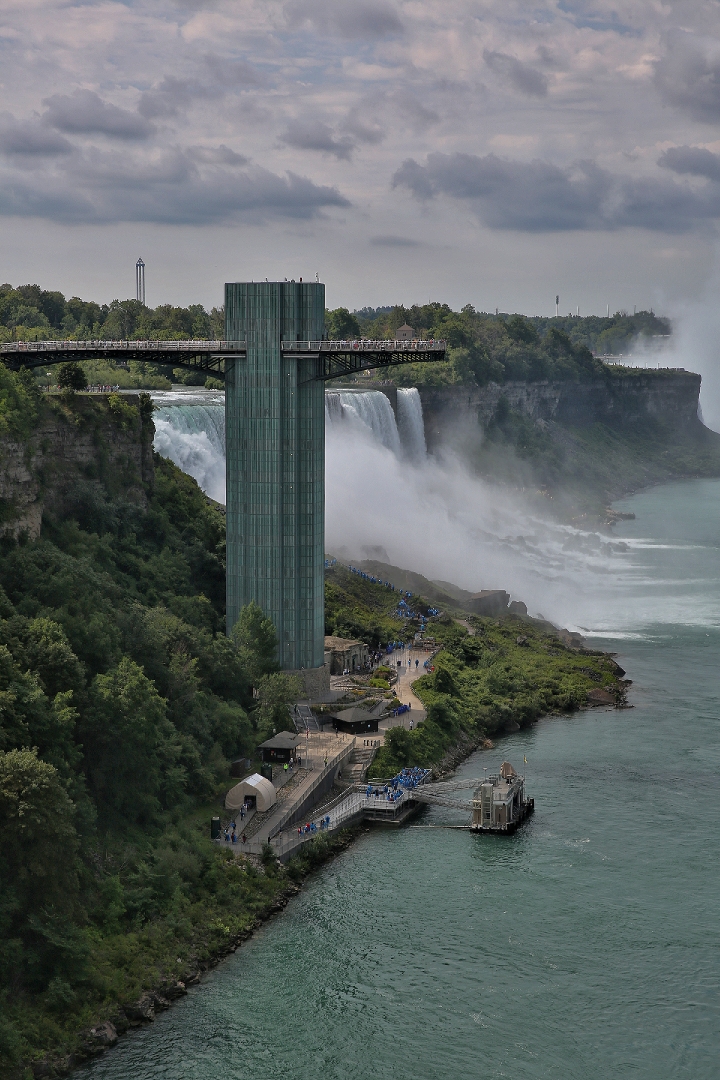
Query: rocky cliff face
622	399
577	445
83	449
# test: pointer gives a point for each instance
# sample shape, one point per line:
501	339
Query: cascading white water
429	512
369	408
410	423
190	430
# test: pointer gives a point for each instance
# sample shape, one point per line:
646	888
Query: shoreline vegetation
122	703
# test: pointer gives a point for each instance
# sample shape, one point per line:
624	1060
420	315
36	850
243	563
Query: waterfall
190	430
411	426
369	408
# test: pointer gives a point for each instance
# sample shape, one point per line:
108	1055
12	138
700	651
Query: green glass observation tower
276	362
275	446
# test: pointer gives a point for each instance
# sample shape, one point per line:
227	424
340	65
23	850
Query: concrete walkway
407	675
313	752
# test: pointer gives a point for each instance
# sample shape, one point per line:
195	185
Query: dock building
499	803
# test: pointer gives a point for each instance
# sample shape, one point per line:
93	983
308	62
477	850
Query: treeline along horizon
482	347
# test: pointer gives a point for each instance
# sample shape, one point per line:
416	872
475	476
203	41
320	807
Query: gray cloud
173	189
689	79
539	197
172	95
393	241
411	110
233	73
30	138
362	129
691	160
354	19
84	113
218	155
314	135
522	77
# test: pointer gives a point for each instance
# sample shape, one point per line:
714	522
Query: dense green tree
340	325
71	377
256	641
39	890
132	753
276	692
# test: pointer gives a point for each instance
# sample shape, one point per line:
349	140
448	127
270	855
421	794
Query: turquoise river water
586	946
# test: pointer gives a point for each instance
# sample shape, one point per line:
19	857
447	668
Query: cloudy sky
491	152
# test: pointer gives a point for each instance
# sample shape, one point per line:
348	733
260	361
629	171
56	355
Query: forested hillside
121	702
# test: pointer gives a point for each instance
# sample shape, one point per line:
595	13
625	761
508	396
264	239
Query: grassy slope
509	671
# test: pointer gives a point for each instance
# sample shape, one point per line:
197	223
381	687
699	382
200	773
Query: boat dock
498	805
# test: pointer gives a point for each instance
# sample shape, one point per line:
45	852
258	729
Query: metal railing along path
363	345
197	345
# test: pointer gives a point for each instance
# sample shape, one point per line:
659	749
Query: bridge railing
199	345
362	345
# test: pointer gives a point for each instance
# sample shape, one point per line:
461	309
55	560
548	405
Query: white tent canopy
256	786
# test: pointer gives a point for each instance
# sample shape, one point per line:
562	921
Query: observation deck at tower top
335	358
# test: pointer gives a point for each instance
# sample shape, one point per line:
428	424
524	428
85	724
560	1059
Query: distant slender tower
557	306
140	282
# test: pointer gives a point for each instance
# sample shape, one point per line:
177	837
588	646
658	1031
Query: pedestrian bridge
334	359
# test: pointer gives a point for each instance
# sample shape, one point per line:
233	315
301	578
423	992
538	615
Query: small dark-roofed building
355	721
405	333
281	747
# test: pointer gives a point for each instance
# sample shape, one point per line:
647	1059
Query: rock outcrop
81	450
623	398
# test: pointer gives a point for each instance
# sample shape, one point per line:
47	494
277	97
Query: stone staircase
356	766
304	719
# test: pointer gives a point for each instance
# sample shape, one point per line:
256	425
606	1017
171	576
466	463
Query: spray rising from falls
430	514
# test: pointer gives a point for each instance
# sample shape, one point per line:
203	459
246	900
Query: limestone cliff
81	449
581	444
625	397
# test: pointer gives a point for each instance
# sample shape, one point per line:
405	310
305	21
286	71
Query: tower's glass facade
275	434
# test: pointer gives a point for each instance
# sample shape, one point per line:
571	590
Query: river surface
586	946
